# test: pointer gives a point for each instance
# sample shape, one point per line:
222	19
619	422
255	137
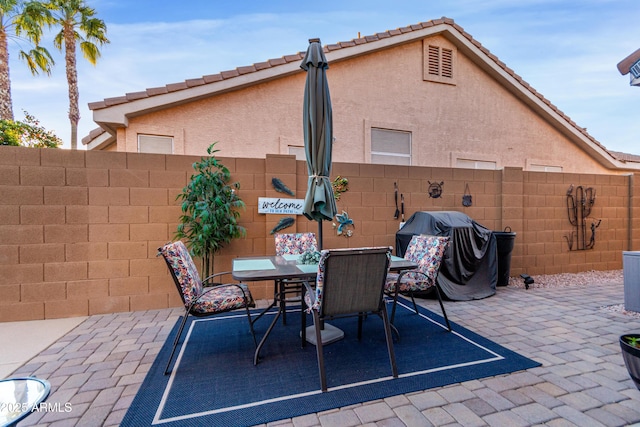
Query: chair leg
395	302
175	341
413	300
253	332
320	351
303	319
283	301
390	350
444	313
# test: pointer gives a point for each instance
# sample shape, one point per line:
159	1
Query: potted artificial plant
210	207
630	345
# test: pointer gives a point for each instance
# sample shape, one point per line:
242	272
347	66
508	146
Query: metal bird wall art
280	187
283	223
345	224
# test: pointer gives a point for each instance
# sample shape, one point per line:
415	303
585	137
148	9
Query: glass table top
19	396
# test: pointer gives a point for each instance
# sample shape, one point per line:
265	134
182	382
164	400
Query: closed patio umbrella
317	122
319	203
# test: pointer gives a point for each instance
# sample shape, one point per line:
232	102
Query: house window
475	164
390	147
544	168
155	144
298	151
439	63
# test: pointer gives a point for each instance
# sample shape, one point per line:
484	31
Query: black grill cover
469	269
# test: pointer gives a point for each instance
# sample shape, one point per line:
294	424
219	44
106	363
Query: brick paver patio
99	366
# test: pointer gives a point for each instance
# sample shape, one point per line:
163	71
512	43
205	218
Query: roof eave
115	116
625	65
101	141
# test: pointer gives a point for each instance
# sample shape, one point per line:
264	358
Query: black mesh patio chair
199	299
350	282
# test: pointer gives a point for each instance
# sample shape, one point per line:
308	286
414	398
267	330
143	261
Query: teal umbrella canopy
319	203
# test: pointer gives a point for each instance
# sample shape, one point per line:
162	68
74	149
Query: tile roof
626	63
231	74
625	157
93	134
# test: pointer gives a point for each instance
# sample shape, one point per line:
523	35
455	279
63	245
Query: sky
566	50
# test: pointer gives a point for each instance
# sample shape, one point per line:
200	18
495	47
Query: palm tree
21	21
77	23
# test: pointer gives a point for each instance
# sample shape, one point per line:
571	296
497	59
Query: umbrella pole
329	333
320	235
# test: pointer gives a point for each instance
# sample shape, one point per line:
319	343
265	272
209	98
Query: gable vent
447	63
439	64
434	60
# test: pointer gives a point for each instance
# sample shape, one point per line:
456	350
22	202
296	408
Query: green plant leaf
210	210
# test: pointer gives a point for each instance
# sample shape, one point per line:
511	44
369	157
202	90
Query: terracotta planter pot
631	356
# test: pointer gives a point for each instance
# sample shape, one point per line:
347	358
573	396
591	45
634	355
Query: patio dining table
272	268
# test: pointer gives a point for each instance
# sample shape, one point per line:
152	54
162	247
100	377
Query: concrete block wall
543	246
79	231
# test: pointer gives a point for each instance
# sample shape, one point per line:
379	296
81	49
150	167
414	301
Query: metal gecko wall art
579	205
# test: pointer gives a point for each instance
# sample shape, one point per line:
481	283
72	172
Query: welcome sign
273	205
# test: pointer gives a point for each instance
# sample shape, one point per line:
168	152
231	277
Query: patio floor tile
98	366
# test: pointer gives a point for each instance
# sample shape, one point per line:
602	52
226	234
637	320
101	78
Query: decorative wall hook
435	189
466	197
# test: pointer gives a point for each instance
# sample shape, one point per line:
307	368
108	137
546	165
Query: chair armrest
411	271
207	289
206	280
208	286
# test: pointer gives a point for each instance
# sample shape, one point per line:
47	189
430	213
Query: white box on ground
631	274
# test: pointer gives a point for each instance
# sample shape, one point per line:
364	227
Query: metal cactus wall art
579	205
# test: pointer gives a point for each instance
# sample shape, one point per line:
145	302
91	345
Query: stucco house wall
485	112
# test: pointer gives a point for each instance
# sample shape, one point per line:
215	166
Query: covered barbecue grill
469	269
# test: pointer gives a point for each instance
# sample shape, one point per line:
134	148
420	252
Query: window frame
392	154
171	140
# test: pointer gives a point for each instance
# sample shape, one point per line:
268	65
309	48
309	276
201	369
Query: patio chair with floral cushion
350	282
291	244
202	298
427	252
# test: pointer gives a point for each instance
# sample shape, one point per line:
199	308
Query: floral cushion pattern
222	298
201	300
317	303
427	252
184	269
295	243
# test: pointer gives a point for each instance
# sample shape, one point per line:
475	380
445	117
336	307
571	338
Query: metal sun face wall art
435	189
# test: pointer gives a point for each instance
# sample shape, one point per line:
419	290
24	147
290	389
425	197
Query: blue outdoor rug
214	381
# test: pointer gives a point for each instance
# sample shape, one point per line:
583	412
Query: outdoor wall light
528	280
